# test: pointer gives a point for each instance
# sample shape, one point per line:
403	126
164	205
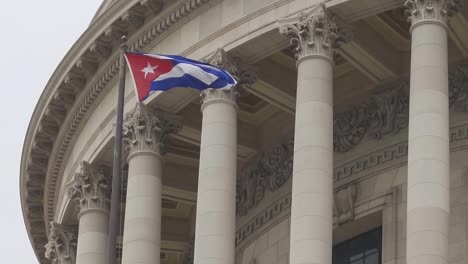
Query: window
363	249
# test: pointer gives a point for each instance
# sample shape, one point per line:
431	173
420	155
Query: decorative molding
346	177
210	96
314	33
385	113
90	189
61	245
343	204
266	216
439	11
148	130
245	74
371	160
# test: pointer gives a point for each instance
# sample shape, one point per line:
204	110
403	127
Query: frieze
384	113
344	196
271	171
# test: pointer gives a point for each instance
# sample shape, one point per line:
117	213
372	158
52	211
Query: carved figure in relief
386	112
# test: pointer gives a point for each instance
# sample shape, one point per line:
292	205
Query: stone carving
245	74
381	158
148	130
61	247
384	113
215	95
90	188
431	10
268	173
261	219
458	84
349	128
387	110
314	33
343	204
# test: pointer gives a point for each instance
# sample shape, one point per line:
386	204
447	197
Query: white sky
35	36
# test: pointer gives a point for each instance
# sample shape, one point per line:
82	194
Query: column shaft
216	202
312	190
142	235
316	35
428	158
92	237
144	131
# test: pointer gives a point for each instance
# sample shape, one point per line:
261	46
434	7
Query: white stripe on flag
183	68
162	57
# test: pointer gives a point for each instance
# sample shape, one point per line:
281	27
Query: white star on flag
149	69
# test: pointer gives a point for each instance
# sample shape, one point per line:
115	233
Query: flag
153	72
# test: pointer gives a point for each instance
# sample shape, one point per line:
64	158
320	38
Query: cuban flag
153	72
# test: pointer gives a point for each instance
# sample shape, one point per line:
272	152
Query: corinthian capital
147	130
89	188
431	10
219	95
314	33
61	248
244	73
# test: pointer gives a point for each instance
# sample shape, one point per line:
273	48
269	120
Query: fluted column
316	36
216	199
145	131
90	190
61	247
428	206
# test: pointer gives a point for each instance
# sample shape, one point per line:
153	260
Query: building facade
345	140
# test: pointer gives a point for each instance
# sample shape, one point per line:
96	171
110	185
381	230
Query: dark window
363	249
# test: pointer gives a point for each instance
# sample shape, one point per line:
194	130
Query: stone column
428	205
90	190
145	133
216	199
61	248
316	36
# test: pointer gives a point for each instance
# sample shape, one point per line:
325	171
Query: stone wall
272	247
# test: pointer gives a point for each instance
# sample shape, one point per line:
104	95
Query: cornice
75	85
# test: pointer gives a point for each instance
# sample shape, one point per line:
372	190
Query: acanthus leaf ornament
145	129
314	33
245	74
431	10
61	245
90	188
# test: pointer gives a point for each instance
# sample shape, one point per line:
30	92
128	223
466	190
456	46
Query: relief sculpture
384	113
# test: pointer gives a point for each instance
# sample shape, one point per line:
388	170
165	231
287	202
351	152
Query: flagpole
117	167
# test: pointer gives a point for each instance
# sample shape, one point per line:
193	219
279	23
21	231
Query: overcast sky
35	36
